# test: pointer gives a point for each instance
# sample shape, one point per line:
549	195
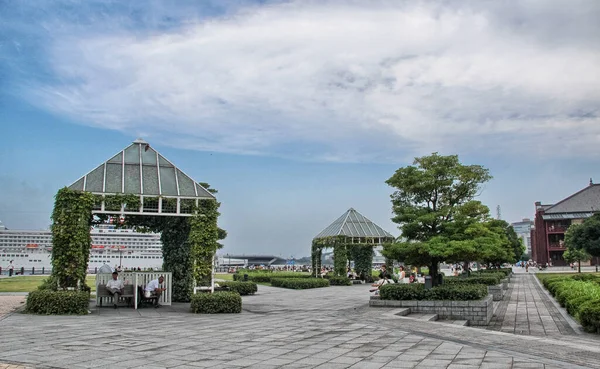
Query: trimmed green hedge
464	292
243	288
48	302
216	303
486	280
299	283
505	271
339	281
580	296
265	276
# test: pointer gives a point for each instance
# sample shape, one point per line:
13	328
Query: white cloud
337	81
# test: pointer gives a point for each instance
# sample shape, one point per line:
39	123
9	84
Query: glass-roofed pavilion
140	170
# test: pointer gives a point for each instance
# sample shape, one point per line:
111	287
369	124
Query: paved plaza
320	328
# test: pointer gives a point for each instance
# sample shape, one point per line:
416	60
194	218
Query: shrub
265	276
505	272
580	295
216	303
487	280
465	292
457	292
299	283
48	302
589	316
243	288
339	281
413	291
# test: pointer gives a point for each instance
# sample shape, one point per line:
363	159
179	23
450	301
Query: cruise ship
117	247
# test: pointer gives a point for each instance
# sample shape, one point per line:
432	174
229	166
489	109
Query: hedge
487	280
216	303
48	302
299	283
339	281
465	292
580	296
243	288
265	277
505	271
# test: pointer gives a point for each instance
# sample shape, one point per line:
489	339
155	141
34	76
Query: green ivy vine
71	240
203	238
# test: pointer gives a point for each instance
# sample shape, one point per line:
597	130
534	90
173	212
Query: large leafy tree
436	212
585	236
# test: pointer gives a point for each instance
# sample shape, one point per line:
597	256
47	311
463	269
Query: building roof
585	201
139	169
354	224
567	216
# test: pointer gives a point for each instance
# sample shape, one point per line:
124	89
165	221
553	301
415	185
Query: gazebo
352	237
140	171
138	187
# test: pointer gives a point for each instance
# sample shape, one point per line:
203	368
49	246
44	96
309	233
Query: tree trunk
578	266
433	273
466	267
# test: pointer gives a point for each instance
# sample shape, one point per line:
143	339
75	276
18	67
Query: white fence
141	279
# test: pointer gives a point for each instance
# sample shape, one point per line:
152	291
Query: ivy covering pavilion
146	191
353	238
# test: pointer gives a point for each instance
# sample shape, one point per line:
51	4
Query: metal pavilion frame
160	163
351	228
148	164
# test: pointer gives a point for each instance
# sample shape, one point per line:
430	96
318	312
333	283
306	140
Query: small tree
576	255
585	236
430	197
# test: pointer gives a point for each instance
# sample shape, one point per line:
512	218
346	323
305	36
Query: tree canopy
585	236
435	208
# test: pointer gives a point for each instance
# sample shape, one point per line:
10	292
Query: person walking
11	269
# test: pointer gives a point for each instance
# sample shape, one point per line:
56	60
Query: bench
143	299
102	292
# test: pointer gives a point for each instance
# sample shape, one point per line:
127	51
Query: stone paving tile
527	310
283	329
8	304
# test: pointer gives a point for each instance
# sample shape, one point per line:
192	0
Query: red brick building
552	221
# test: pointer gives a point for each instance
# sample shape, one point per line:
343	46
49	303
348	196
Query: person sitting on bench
115	287
153	289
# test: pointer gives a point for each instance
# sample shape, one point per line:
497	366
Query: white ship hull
115	247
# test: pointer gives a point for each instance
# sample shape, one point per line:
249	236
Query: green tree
576	255
512	245
433	205
585	236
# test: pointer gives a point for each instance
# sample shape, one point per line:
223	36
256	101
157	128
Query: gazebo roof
140	170
354	224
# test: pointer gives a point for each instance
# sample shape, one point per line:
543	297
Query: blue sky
296	111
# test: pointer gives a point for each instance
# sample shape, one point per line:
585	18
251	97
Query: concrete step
457	322
393	313
427	317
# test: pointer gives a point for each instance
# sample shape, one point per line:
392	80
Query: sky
298	110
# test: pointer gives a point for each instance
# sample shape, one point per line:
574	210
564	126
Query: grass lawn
31	283
224	276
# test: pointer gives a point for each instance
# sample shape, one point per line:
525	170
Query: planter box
505	283
478	312
496	291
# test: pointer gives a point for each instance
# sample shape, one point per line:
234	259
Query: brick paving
8	304
321	328
527	310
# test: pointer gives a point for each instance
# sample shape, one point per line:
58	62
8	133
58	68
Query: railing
557	228
141	279
556	245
